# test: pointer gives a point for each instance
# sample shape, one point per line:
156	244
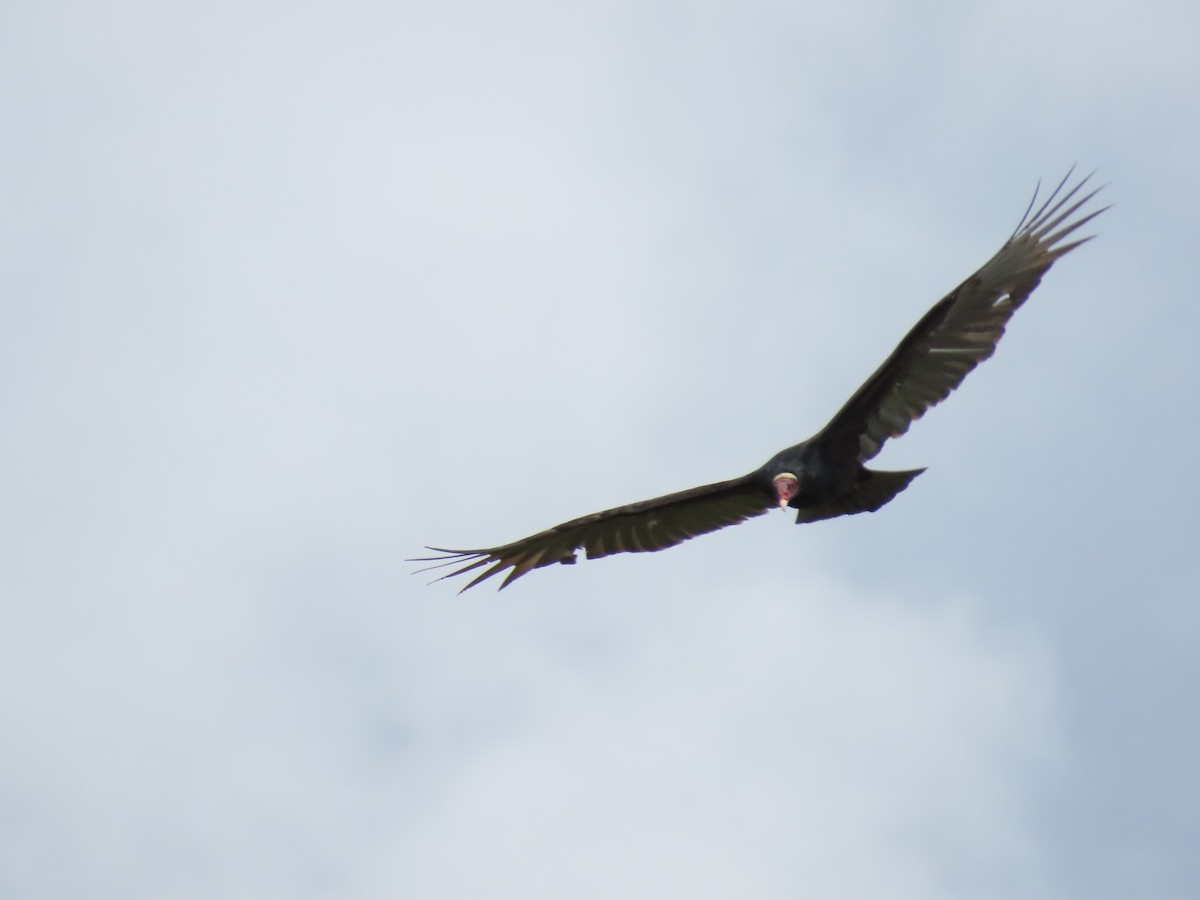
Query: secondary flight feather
825	476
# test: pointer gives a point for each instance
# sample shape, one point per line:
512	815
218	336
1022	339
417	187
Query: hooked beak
786	486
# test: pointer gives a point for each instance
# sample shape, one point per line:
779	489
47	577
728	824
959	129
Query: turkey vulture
824	476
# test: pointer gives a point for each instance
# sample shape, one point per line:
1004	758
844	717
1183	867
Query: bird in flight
825	476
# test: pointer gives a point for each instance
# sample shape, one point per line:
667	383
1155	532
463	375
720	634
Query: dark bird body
826	475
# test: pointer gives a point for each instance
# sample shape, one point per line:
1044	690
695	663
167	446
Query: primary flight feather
825	476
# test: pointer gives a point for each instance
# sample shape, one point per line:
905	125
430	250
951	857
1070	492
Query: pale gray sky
289	291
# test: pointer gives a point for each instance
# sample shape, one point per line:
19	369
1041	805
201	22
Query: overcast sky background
291	290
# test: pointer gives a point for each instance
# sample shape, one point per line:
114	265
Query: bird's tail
874	489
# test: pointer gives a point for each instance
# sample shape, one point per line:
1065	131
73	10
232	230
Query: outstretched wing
960	332
637	528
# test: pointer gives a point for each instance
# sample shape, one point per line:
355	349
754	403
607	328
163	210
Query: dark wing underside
960	332
637	528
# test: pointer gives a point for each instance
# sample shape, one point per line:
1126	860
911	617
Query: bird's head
786	485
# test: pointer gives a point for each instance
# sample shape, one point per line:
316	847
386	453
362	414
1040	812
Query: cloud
290	293
769	740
